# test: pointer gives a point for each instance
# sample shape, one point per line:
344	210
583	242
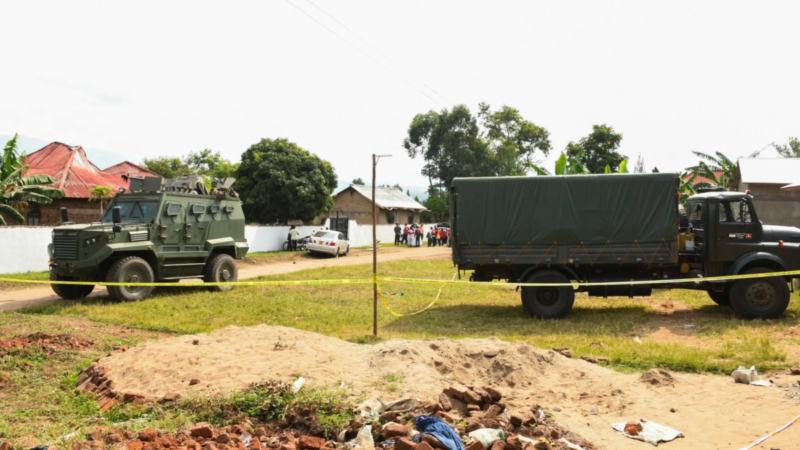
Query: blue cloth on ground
440	430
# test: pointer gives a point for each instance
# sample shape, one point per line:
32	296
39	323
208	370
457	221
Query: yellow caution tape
389	308
759	441
376	279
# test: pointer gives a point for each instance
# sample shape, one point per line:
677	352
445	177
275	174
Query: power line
372	46
364	53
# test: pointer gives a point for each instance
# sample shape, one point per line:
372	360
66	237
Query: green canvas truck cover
567	210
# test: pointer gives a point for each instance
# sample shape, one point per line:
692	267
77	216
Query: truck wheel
721	298
69	291
760	298
133	270
221	268
548	302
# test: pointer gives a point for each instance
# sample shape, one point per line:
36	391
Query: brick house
764	178
75	175
129	169
392	205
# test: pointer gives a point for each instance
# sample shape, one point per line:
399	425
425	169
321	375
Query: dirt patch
657	377
586	397
48	343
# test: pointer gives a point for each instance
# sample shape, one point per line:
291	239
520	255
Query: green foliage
720	163
790	149
100	193
205	162
454	144
687	180
18	189
563	166
598	150
279	181
166	166
359	182
438	205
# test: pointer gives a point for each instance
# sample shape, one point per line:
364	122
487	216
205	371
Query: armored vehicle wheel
760	298
548	302
69	291
133	270
220	268
721	298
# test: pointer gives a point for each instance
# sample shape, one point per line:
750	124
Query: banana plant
18	189
707	169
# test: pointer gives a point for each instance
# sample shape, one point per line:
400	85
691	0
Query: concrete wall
24	249
773	206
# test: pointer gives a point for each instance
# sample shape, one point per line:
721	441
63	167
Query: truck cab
161	230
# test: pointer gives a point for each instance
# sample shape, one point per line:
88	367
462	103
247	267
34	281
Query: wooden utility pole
375	249
374	253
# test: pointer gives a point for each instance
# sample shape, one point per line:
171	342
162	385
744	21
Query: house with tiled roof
76	176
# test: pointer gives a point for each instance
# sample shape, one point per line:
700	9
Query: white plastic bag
488	436
749	376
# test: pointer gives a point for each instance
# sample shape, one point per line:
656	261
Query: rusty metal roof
386	198
130	169
74	173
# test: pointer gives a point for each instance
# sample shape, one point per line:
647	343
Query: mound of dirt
48	343
657	377
586	397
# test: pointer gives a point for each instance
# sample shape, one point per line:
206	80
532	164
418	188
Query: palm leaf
703	185
30	180
724	160
26	196
12	213
539	170
44	190
561	164
623	167
608	169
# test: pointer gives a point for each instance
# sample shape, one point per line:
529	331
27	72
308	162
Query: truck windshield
144	210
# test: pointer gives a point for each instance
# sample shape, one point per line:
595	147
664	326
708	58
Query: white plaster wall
24	249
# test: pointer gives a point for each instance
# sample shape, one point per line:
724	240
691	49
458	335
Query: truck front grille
137	236
65	247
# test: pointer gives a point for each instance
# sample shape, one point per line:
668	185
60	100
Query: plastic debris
298	384
652	432
691	325
749	376
637	340
370	409
363	440
402	405
246	439
570	445
488	436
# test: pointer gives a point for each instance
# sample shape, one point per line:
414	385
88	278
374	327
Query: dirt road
38	295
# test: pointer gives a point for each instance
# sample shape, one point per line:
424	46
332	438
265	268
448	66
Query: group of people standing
412	235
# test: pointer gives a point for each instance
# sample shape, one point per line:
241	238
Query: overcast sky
143	79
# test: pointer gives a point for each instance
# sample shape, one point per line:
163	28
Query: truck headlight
50	250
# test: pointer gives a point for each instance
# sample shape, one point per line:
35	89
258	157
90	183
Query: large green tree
598	150
204	162
279	181
455	143
17	189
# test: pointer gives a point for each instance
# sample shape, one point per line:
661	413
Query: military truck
618	228
159	230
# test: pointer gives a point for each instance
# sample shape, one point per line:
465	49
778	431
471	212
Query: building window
34	217
390	217
410	218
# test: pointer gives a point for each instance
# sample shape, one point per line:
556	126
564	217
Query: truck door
196	226
737	230
171	227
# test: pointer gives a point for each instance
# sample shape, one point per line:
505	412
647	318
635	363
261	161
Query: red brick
472	397
131	396
477	445
485	397
148	435
444	401
493	393
432	441
223	438
404	444
457	391
391	430
423	446
203	430
310	443
109	404
194	381
134	445
499	445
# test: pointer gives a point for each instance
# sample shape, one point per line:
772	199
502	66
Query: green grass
11	285
597	327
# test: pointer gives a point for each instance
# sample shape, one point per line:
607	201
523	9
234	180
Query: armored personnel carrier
159	230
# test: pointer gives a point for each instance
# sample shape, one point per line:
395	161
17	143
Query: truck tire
760	298
69	291
221	268
134	270
721	298
548	302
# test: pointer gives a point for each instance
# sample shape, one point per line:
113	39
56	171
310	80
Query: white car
330	242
